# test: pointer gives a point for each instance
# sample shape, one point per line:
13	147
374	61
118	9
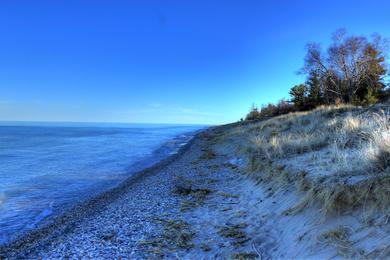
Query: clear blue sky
192	61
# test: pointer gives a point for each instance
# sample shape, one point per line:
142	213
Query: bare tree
351	66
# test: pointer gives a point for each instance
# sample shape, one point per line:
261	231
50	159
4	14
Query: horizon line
96	122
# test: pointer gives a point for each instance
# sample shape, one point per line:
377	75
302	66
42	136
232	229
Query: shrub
253	113
270	110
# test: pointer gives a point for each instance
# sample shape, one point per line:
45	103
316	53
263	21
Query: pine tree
299	96
314	97
370	98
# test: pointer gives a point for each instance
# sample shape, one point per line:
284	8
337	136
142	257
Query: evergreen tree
299	96
314	97
370	98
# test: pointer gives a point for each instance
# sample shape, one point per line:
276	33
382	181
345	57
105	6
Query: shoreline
91	206
220	198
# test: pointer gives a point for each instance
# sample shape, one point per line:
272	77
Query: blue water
46	168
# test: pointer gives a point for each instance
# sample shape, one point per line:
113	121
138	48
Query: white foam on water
45	213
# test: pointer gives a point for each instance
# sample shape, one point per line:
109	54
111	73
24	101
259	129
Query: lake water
46	168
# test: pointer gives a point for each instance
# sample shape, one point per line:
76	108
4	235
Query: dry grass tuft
207	155
191	196
196	198
176	234
228	195
347	147
234	232
376	154
339	237
205	247
244	255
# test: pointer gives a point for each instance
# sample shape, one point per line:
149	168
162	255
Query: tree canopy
352	69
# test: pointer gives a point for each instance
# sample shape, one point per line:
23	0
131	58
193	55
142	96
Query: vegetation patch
338	237
244	255
207	155
205	247
108	235
194	197
228	195
175	234
342	198
195	162
337	156
213	167
230	165
235	232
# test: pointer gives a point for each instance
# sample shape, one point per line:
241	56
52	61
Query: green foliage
348	69
270	110
315	97
352	70
299	95
253	113
370	98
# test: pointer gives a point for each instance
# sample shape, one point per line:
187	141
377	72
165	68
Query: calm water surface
46	168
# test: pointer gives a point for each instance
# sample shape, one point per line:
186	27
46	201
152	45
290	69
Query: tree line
352	70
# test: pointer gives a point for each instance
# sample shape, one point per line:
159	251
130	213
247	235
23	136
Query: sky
155	61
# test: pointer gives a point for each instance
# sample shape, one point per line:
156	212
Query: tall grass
376	153
338	156
349	136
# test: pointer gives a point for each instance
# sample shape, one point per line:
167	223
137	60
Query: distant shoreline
88	124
